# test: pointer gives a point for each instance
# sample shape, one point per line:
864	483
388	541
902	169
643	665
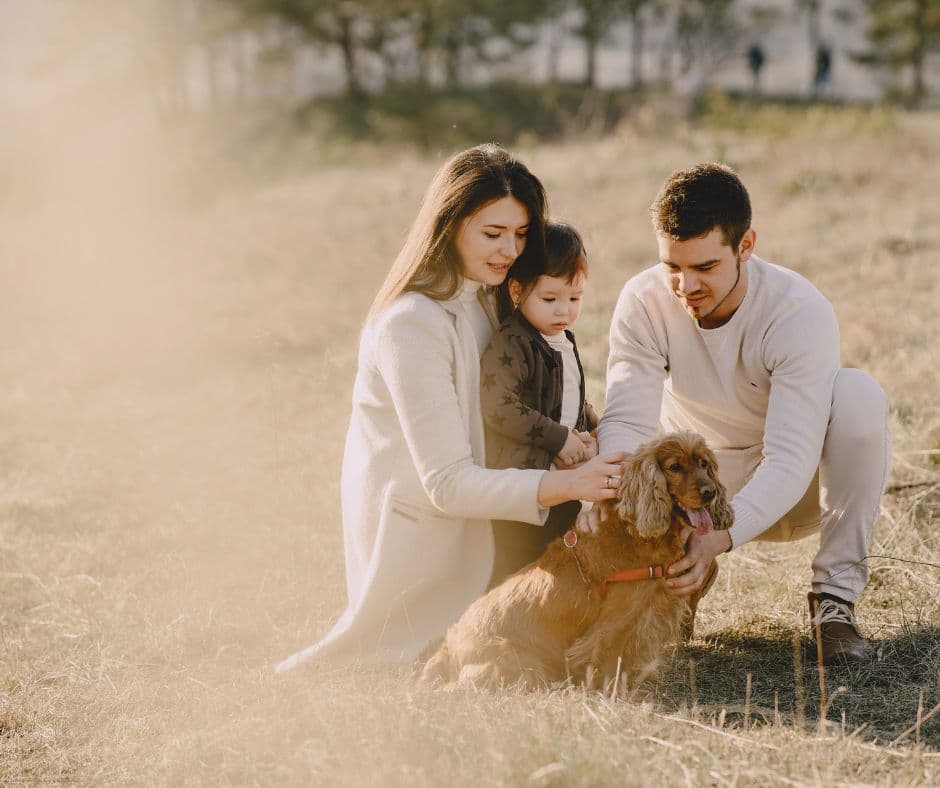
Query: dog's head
675	475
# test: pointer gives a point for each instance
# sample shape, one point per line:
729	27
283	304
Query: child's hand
572	452
590	444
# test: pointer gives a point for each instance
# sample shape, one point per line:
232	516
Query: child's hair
564	258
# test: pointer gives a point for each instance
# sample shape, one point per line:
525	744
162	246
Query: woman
417	497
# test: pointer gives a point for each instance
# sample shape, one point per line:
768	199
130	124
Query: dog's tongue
701	520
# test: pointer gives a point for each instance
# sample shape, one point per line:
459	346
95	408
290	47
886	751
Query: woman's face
489	241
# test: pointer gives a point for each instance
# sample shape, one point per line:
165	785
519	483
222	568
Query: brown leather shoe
833	621
688	625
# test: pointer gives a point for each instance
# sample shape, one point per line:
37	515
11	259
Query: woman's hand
597	480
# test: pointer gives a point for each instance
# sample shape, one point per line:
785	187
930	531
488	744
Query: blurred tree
812	9
597	17
443	33
348	25
902	33
635	11
148	44
456	31
707	34
553	19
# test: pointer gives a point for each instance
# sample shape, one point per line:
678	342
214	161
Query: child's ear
515	292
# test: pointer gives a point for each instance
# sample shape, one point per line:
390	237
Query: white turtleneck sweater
469	296
758	388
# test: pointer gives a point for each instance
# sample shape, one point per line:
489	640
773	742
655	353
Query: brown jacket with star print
522	382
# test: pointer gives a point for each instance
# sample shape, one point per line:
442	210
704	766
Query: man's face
707	276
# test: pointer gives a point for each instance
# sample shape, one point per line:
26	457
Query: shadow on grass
878	698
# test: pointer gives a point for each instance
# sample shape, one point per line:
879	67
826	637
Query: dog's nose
707	493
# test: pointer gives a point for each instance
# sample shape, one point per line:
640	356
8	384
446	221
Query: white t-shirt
571	390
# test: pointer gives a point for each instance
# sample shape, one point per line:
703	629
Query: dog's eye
675	467
703	462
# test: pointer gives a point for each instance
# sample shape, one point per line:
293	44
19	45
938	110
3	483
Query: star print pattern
521	388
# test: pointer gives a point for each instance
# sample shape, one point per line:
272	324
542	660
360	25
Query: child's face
553	304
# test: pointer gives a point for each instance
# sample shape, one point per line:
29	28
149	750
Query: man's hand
589	521
687	575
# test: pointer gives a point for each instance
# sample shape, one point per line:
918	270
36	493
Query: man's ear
746	247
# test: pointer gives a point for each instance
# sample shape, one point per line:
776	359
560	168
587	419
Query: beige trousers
842	502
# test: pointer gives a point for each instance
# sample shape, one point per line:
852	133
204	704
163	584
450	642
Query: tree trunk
347	44
553	53
813	16
636	49
451	58
919	52
591	40
424	32
243	68
684	41
212	82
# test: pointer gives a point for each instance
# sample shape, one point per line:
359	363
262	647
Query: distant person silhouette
755	62
823	69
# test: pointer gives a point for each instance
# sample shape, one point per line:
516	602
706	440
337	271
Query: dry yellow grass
177	365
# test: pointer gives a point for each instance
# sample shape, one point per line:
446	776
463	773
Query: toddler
532	387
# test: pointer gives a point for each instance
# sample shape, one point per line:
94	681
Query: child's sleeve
504	374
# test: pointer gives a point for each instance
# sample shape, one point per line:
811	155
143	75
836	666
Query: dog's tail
440	668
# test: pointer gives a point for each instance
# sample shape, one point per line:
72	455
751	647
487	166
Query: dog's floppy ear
721	512
644	497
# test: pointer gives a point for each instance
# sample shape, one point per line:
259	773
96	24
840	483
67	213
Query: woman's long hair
428	262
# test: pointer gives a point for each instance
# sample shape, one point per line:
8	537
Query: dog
581	611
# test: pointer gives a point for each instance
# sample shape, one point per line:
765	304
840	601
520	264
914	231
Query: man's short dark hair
694	202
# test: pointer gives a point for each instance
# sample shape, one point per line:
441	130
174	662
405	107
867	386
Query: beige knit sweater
758	388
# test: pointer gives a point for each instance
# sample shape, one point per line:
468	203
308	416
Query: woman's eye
492	236
521	236
575	298
549	300
675	467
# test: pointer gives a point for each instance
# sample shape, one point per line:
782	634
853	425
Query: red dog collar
654	572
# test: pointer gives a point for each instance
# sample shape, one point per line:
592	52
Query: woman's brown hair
428	262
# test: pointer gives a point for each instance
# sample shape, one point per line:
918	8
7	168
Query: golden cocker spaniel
595	603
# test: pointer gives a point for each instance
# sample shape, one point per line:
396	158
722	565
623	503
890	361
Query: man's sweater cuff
746	526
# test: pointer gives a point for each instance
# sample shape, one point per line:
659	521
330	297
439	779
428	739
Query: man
746	353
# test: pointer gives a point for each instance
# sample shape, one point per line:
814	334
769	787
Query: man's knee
859	407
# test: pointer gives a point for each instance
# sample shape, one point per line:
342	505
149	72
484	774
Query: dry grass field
176	367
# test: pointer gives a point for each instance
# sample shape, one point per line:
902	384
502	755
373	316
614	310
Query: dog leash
653	572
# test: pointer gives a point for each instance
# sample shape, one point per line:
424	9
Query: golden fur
544	624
